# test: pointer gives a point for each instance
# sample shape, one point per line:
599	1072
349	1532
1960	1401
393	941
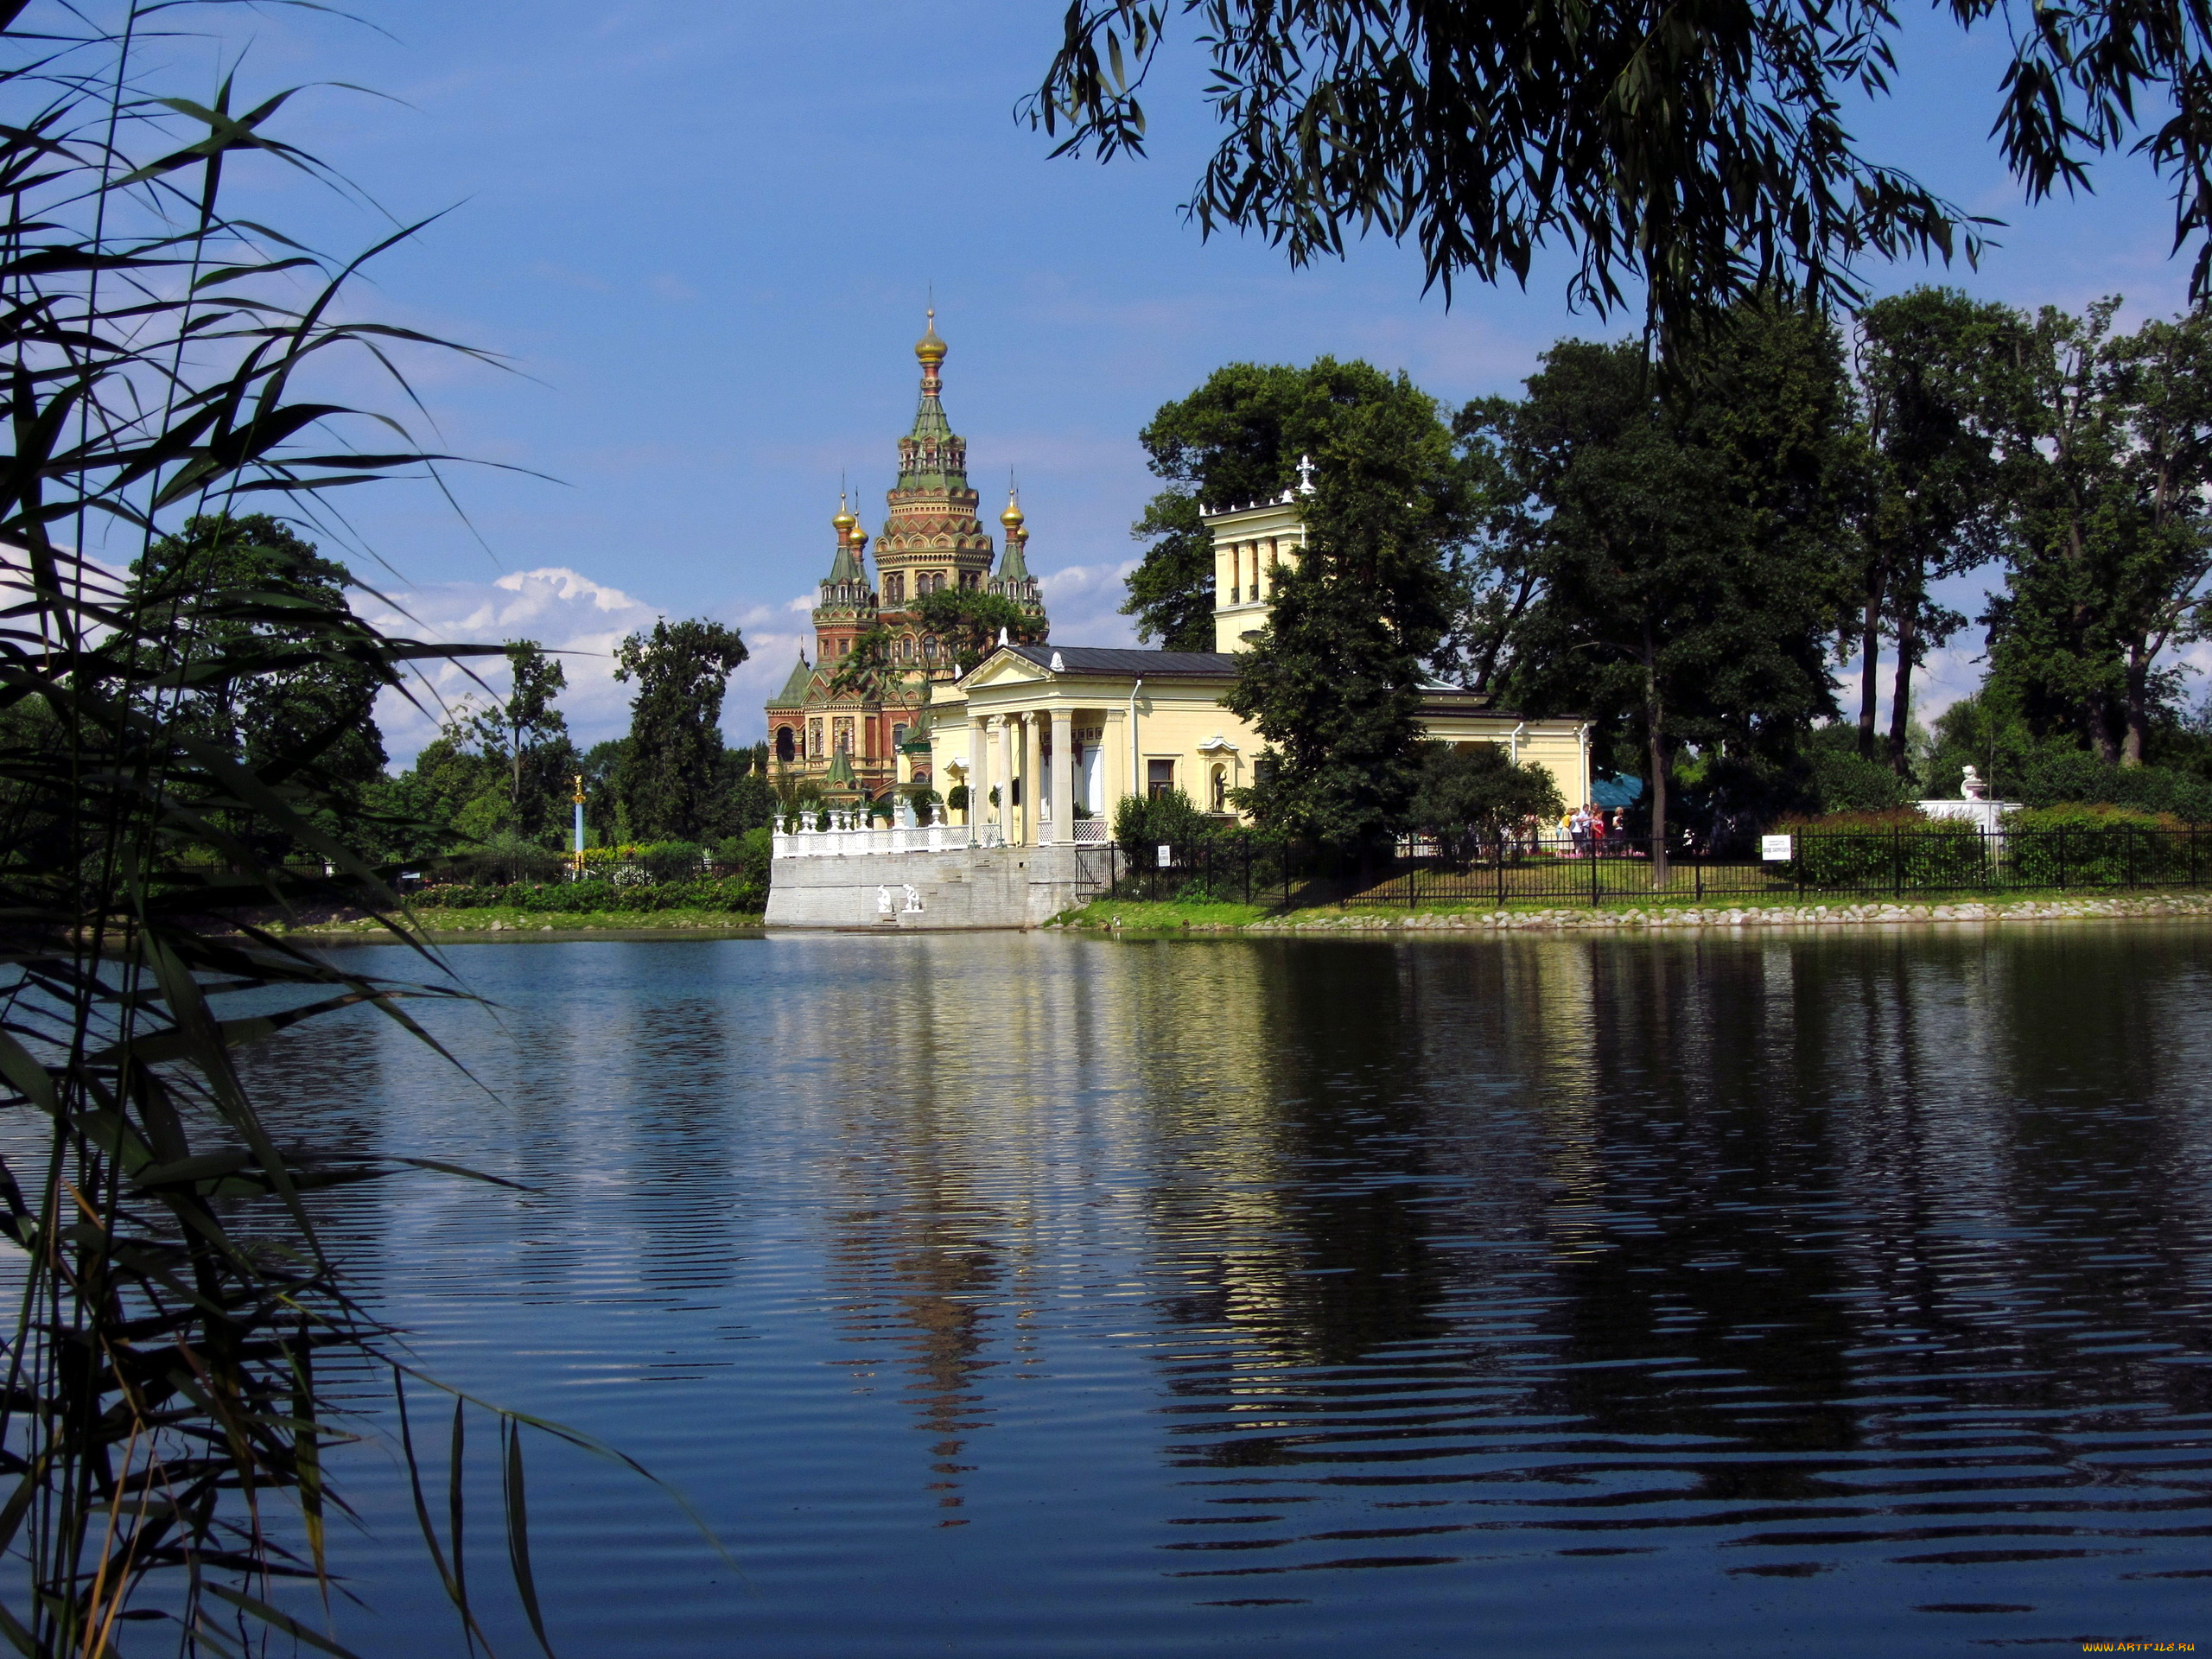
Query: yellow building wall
1183	725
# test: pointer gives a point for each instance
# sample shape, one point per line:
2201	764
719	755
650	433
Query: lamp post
579	859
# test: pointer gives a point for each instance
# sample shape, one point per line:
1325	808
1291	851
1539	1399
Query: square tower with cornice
1251	546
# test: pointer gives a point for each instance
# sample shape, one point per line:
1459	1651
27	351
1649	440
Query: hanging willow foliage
163	1422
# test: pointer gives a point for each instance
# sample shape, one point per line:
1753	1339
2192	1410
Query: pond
1021	1295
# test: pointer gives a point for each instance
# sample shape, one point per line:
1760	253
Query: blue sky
701	235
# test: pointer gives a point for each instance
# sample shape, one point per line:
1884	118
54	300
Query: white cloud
580	620
1084	603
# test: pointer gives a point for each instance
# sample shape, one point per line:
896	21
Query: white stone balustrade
852	837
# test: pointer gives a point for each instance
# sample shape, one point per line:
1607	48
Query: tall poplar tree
2109	468
672	771
1928	364
1333	682
1691	552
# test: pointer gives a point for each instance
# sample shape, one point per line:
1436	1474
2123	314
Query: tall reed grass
164	1420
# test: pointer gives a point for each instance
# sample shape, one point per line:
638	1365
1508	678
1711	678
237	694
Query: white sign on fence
1166	855
1777	849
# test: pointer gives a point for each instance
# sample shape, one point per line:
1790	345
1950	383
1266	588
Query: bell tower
932	538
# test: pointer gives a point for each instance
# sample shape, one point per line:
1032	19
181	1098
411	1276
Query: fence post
2130	830
2061	858
2192	854
1697	873
1593	876
1247	872
1896	861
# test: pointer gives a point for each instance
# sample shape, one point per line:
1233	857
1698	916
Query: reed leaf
164	1424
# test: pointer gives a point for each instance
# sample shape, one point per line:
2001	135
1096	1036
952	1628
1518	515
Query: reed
164	1419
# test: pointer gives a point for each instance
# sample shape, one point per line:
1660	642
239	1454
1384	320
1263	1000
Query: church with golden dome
850	735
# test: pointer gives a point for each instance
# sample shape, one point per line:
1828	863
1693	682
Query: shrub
2077	776
1887	850
1141	823
739	893
1848	782
2077	844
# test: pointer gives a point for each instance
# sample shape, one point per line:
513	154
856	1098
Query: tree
966	623
1691	554
1238	438
2108	468
529	737
1477	793
668	776
1695	156
1333	682
1926	363
247	587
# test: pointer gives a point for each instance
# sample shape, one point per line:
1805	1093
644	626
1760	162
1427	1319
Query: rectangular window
898	738
1158	778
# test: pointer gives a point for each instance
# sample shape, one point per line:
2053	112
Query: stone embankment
1670	919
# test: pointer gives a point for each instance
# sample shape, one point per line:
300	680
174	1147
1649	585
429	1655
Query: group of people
1593	836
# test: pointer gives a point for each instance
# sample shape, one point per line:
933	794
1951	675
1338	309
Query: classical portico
1047	729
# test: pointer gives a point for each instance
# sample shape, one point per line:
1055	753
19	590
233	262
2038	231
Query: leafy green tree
529	736
1479	794
605	816
667	779
1333	682
1689	157
1238	438
1928	363
966	623
2108	471
1693	553
242	588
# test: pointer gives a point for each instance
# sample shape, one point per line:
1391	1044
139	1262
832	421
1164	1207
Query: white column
1066	779
974	766
1115	741
1005	723
1032	775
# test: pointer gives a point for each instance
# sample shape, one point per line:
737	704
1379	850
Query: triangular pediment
1003	667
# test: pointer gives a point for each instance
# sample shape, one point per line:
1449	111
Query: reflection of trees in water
1287	1131
1697	1253
2037	1176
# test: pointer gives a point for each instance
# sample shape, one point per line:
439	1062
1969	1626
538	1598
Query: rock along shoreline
1671	919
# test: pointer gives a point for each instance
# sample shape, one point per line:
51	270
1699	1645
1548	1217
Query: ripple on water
1014	1295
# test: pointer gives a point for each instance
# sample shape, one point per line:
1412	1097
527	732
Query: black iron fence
1956	859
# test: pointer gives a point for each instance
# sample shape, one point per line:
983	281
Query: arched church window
786	750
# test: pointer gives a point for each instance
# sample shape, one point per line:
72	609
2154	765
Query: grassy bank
506	919
1137	917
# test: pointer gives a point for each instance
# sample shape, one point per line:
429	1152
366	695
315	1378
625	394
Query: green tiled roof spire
794	692
932	456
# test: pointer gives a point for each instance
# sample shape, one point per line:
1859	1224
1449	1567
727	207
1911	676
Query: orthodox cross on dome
1305	474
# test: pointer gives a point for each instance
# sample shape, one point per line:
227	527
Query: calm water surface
1017	1295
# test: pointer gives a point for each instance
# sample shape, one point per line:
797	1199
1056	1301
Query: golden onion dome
844	520
1012	517
929	348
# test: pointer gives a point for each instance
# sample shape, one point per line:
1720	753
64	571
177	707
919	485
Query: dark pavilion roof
1163	664
1436	696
